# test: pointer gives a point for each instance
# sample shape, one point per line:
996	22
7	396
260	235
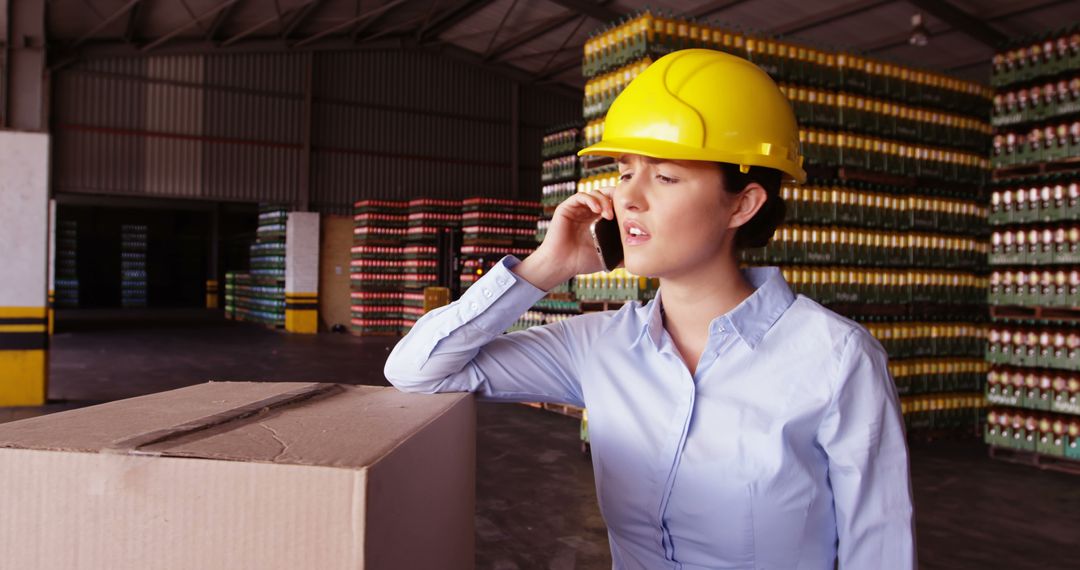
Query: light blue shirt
785	449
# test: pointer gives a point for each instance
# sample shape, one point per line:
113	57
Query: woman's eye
624	177
665	179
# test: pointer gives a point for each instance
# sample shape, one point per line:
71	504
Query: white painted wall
24	218
302	252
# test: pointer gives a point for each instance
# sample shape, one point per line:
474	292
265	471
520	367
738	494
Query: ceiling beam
131	28
827	17
299	18
105	23
710	8
249	31
975	62
537	31
406	28
594	10
559	68
194	46
90	5
373	13
541	29
219	21
961	20
354	35
191	13
900	40
499	29
450	18
896	40
545	53
1021	8
562	45
183	46
192	23
508	71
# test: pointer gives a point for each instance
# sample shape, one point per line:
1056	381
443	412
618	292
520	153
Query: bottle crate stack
492	228
259	293
133	246
559	143
420	271
230	294
1037	102
561	169
66	270
889	230
395	252
1033	384
427	218
377	267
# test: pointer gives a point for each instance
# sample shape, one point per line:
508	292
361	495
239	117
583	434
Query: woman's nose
628	195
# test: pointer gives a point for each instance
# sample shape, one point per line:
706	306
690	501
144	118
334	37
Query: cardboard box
243	475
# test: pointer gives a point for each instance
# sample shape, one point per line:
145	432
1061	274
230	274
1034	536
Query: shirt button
472	307
487	292
500	280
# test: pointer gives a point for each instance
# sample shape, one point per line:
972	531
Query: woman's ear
747	204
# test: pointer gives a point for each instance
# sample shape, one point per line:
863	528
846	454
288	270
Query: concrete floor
536	504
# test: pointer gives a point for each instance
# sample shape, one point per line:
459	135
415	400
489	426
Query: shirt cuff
498	299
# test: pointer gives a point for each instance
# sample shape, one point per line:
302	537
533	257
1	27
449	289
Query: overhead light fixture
920	36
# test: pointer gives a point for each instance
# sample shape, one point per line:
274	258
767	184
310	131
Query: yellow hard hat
700	104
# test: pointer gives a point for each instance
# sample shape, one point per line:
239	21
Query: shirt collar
750	319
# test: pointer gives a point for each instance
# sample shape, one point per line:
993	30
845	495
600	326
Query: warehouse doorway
121	261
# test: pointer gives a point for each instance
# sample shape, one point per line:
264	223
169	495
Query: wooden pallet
598	306
1031	459
563	409
1061	165
387	334
1039	313
932	435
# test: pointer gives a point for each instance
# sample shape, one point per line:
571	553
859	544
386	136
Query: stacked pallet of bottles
560	171
1033	385
492	228
427	218
259	294
133	265
377	268
559	177
230	294
889	229
66	270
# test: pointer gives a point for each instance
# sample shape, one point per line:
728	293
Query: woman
733	424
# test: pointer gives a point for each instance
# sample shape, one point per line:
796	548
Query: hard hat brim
665	150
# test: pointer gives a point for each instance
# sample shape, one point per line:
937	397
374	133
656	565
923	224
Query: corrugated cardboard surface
243	475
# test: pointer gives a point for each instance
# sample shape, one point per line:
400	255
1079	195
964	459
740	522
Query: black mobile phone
608	242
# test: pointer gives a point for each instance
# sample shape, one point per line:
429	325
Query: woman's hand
568	248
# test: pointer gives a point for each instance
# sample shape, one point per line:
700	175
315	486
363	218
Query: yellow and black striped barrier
24	344
211	294
52	312
302	312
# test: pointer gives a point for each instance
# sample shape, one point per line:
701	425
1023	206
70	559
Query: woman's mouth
636	234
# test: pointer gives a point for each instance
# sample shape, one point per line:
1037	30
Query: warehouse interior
277	190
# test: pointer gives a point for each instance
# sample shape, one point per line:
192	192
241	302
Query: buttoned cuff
498	299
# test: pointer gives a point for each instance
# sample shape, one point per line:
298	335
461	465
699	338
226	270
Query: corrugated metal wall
394	124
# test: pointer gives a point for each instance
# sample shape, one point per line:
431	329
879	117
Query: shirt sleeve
461	347
863	435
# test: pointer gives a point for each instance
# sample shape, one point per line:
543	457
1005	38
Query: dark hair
759	230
